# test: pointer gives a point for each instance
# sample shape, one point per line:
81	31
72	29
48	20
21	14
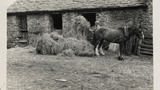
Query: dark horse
120	36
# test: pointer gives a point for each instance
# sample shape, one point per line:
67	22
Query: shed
27	20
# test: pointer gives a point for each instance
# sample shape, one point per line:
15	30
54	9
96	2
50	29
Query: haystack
73	42
47	45
79	26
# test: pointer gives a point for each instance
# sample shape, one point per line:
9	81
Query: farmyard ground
27	70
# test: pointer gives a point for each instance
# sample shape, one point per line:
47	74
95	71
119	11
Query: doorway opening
91	17
57	21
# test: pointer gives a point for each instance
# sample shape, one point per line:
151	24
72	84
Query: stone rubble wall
67	23
37	25
12	31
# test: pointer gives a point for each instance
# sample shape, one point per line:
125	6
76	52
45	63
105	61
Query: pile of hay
54	44
79	27
73	43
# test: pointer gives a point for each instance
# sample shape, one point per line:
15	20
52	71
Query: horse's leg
96	50
100	47
96	44
121	47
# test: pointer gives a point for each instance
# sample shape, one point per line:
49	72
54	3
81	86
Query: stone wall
67	17
37	25
147	18
12	31
117	18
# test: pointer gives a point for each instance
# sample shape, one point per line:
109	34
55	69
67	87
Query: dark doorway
23	32
22	22
91	17
57	21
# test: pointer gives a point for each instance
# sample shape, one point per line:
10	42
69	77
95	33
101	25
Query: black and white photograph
79	45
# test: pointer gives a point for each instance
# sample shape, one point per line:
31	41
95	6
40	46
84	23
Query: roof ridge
54	5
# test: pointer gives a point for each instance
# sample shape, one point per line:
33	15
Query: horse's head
140	34
137	31
95	28
97	24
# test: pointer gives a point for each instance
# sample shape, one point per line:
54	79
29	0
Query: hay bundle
79	26
67	52
72	42
80	47
47	45
54	44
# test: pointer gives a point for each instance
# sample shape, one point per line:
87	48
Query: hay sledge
72	43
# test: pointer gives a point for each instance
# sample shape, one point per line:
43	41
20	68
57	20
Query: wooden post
139	46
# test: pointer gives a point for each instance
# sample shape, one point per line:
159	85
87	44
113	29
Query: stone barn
27	20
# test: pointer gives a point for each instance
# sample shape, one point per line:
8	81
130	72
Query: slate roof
60	5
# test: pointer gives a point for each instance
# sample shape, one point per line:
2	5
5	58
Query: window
57	21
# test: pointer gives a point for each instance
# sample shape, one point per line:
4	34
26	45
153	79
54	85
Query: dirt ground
27	70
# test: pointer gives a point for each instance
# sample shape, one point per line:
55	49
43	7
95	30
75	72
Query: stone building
28	19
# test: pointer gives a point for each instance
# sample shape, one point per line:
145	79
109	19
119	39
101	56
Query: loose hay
47	45
75	40
67	52
54	44
79	26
